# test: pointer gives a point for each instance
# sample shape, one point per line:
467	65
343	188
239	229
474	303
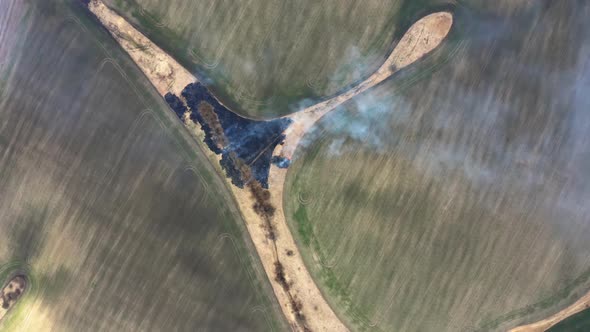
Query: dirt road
168	76
164	73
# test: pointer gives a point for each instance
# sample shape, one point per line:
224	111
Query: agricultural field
268	57
109	208
579	322
455	199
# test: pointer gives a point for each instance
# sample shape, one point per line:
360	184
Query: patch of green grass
304	226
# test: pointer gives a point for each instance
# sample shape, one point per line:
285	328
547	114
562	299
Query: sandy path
545	324
165	73
422	37
11	293
168	76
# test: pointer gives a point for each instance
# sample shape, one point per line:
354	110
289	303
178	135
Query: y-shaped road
167	75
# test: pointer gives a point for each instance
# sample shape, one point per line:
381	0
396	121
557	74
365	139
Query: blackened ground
231	169
179	108
176	104
252	141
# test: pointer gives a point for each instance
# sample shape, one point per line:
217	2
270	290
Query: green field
458	203
108	206
269	57
579	322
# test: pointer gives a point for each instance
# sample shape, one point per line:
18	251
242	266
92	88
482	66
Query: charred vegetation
246	148
296	305
210	118
252	141
265	209
262	206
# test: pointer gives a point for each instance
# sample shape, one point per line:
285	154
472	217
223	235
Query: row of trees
211	119
262	199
